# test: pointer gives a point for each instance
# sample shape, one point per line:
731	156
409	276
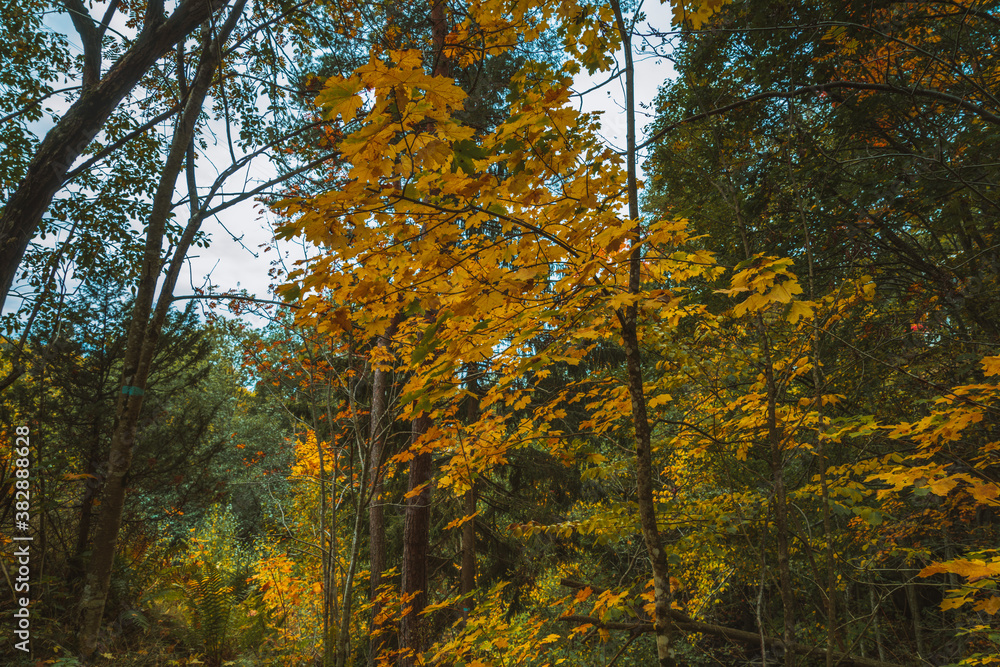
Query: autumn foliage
524	407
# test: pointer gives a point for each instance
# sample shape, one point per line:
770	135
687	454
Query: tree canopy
723	394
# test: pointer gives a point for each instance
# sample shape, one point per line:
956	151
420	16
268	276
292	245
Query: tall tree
847	141
144	331
526	169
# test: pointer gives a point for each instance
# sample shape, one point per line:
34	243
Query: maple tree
744	411
430	213
402	237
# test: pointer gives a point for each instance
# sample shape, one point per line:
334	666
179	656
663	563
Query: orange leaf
990	606
991	366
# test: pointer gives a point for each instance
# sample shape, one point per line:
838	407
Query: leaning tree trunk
142	338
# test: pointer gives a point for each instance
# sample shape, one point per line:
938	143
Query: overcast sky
235	259
232	265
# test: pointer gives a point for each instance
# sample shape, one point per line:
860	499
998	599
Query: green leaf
466	151
428	341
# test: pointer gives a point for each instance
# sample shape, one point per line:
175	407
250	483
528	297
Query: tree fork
78	127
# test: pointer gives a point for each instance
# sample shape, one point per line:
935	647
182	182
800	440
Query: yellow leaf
990	605
936	568
985	494
783	292
799	309
459	521
415	492
339	96
662	399
752	303
953	603
970	569
942	487
991	366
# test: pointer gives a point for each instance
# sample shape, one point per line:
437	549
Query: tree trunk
142	338
469	507
78	127
416	545
417	518
780	500
376	513
643	434
87	503
469	550
913	603
876	611
343	638
817	378
328	548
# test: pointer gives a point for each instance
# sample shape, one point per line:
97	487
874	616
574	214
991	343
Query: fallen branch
687	624
731	634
